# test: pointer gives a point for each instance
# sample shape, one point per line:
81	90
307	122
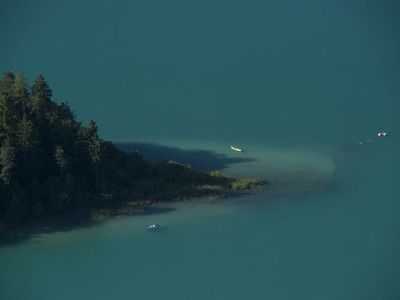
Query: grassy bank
175	182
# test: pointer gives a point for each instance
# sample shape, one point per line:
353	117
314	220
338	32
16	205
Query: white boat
236	149
382	134
153	227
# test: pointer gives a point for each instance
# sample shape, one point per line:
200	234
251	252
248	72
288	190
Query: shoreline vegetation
52	165
212	188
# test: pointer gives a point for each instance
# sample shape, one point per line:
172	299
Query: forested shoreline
50	163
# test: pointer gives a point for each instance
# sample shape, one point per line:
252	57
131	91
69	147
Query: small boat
236	149
153	227
382	134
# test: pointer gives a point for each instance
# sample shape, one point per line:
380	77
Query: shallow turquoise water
297	85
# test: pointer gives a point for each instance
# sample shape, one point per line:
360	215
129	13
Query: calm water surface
295	83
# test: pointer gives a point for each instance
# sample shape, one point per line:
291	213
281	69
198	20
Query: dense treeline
49	162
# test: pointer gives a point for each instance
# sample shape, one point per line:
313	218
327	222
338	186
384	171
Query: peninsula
51	164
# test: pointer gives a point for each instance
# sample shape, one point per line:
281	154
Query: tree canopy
49	162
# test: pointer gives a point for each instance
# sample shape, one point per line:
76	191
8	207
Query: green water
295	83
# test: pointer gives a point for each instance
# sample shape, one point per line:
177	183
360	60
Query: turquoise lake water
297	84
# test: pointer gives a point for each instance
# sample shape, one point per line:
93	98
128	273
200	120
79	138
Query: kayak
236	149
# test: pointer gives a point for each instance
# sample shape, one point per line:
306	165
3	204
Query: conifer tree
40	96
94	142
7	83
7	161
25	134
20	96
9	114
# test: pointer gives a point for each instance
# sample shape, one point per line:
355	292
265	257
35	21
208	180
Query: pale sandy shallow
290	170
298	167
